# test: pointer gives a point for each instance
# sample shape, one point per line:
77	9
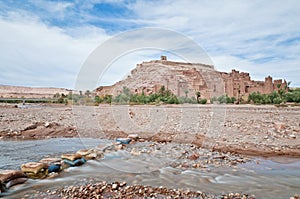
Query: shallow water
265	178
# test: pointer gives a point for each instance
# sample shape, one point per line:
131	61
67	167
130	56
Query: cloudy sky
45	43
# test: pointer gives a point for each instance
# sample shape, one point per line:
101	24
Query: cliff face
185	79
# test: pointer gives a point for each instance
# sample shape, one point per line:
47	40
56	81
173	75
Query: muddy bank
41	130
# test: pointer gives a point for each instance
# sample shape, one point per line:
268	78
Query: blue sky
45	43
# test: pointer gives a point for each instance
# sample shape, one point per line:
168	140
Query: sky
46	43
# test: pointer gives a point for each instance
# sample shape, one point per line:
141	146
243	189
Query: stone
279	126
47	124
194	156
292	136
114	186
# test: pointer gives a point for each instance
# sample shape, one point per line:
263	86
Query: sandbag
51	160
40	175
14	182
7	175
71	157
123	140
54	164
77	162
9	178
35	170
89	154
54	168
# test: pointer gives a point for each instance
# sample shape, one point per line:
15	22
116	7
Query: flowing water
265	178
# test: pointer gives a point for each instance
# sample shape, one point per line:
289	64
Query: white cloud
252	36
235	33
35	54
57	9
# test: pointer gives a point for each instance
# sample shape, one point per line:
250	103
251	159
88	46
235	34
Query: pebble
113	190
292	136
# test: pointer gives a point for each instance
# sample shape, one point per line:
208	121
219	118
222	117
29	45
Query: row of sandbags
49	166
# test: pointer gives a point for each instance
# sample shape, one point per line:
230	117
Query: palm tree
198	95
186	93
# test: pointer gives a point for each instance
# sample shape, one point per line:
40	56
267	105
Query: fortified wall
239	84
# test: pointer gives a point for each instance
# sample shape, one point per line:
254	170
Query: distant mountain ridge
7	91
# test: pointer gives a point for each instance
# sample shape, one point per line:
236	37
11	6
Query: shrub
203	101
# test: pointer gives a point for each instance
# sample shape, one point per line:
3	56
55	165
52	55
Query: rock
135	152
131	114
279	126
114	186
292	136
47	124
277	149
118	147
194	156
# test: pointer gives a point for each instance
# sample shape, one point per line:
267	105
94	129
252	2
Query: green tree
56	95
87	93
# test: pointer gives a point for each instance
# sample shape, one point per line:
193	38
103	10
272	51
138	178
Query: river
264	178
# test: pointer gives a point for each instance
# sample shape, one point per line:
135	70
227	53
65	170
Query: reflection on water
267	179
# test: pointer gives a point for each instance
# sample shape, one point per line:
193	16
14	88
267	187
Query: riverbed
265	178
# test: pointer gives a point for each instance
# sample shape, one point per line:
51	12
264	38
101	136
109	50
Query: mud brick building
185	79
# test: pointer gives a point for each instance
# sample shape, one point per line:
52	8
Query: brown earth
244	129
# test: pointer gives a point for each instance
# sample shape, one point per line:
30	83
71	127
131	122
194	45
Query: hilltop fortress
185	79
